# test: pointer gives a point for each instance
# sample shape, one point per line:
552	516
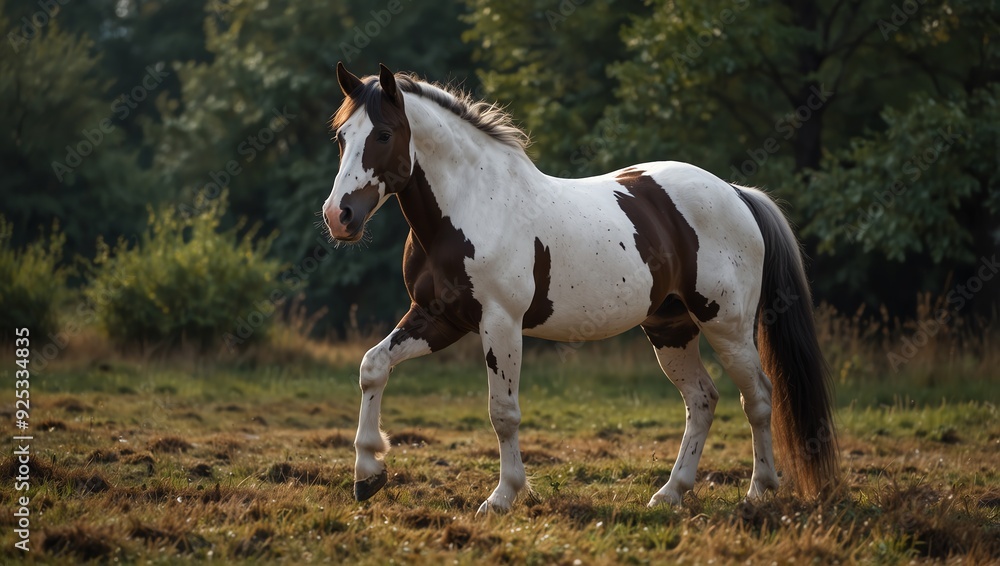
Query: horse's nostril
346	215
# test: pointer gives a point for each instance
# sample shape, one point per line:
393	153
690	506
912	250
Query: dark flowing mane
488	118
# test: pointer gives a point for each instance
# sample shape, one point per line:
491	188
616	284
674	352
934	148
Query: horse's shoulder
437	280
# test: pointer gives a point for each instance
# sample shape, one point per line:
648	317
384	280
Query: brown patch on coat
666	242
670	326
443	307
540	308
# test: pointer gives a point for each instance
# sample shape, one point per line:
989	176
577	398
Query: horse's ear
388	82
348	82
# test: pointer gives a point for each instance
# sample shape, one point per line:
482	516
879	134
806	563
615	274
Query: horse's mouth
353	238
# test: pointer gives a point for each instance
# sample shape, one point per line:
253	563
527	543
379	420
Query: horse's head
376	156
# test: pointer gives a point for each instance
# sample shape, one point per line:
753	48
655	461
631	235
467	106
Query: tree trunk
808	141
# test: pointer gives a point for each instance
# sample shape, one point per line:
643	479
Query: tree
133	36
923	184
548	61
62	148
254	118
825	103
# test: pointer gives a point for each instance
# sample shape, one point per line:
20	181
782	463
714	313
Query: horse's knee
374	368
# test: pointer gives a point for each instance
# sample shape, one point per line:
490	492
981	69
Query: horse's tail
802	394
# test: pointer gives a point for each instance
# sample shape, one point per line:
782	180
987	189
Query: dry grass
290	500
137	460
863	344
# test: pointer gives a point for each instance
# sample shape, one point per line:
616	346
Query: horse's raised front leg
417	334
501	336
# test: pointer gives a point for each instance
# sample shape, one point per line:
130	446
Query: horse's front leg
417	334
502	345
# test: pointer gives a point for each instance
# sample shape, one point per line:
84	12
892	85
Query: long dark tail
802	394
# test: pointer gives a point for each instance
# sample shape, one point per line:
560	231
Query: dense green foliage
548	60
32	282
185	282
877	123
829	104
61	139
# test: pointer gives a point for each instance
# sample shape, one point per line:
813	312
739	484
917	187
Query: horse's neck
420	207
458	169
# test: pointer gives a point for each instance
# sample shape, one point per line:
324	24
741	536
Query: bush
184	282
32	283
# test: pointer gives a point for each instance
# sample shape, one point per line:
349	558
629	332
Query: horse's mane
489	118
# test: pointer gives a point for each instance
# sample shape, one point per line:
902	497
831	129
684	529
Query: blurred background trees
877	123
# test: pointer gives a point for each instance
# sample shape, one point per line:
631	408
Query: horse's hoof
364	489
487	509
666	499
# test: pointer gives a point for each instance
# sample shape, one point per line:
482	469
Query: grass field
156	462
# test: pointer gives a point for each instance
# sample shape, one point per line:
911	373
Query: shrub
183	282
32	283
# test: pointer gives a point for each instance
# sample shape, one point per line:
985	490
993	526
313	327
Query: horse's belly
596	325
603	300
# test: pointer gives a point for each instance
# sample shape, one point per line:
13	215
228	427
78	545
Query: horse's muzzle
343	223
347	221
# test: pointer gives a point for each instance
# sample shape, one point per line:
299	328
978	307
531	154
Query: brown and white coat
500	249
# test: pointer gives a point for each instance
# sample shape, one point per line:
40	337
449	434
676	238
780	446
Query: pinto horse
498	248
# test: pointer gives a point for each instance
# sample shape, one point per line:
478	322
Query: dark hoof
366	488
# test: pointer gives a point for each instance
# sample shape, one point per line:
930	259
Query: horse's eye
383	136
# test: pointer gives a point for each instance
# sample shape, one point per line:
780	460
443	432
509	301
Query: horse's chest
439	282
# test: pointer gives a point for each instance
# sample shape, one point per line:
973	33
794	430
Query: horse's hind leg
733	343
675	338
417	334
